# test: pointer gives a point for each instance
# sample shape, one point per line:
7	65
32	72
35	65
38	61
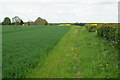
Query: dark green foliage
118	31
46	23
29	23
91	28
12	23
80	24
21	22
109	32
6	21
51	24
76	23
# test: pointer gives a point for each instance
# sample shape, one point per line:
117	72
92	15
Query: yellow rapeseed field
94	24
64	24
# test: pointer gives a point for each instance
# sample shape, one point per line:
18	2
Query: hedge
109	31
91	28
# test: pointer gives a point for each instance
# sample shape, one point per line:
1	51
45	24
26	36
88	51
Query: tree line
18	21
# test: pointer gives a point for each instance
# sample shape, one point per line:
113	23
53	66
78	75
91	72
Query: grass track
79	54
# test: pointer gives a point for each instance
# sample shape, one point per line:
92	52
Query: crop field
58	51
26	46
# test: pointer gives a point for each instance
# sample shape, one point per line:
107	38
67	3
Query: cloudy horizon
61	11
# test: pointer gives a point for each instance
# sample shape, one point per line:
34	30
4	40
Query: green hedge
91	28
109	31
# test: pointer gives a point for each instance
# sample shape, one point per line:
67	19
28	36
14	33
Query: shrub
108	31
91	28
80	24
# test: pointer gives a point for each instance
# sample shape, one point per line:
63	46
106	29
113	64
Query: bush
80	24
99	31
91	28
109	32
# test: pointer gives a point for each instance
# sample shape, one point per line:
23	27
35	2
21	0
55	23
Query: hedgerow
109	31
91	28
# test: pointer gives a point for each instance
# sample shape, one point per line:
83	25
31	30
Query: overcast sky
61	10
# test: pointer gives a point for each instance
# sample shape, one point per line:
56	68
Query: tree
21	22
80	24
40	21
16	20
6	21
29	22
32	23
46	23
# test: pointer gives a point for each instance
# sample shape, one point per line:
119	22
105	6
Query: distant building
40	21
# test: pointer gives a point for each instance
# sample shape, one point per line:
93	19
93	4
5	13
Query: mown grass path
79	54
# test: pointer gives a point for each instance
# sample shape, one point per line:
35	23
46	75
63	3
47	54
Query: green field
57	52
25	47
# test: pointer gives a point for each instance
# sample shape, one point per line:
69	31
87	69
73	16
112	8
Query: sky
59	11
